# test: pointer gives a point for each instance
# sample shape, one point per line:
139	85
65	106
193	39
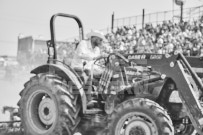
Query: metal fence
189	14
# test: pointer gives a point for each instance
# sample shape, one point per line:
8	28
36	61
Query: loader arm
177	68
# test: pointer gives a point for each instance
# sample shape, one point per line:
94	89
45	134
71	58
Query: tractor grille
105	80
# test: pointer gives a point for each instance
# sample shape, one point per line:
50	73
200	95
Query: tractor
137	94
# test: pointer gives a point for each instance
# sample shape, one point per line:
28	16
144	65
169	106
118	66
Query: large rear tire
139	117
48	106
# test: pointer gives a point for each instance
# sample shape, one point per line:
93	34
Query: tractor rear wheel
48	106
139	117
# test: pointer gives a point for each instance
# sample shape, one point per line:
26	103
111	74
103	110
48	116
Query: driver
88	51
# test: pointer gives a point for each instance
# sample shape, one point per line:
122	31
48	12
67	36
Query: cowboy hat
96	33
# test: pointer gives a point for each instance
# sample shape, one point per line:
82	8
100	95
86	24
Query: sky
31	17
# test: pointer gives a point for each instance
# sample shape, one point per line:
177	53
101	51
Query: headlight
174	97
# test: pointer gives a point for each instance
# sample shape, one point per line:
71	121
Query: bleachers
168	37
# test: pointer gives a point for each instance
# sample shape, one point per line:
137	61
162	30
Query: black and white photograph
101	67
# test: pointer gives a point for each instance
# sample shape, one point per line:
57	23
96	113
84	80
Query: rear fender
66	73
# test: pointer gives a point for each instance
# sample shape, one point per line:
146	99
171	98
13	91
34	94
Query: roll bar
52	42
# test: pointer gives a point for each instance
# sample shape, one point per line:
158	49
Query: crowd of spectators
168	37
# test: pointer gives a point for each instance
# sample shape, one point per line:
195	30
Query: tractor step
93	111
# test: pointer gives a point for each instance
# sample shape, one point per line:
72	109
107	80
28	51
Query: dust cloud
11	83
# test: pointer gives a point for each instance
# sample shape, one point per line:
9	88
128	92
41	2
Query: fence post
173	11
181	12
112	22
149	17
130	21
143	15
164	15
157	14
199	13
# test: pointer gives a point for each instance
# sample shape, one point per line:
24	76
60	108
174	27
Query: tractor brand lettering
143	56
137	57
155	56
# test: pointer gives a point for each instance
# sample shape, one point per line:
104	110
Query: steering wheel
101	61
116	54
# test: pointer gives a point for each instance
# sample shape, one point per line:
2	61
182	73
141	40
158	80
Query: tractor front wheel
139	117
